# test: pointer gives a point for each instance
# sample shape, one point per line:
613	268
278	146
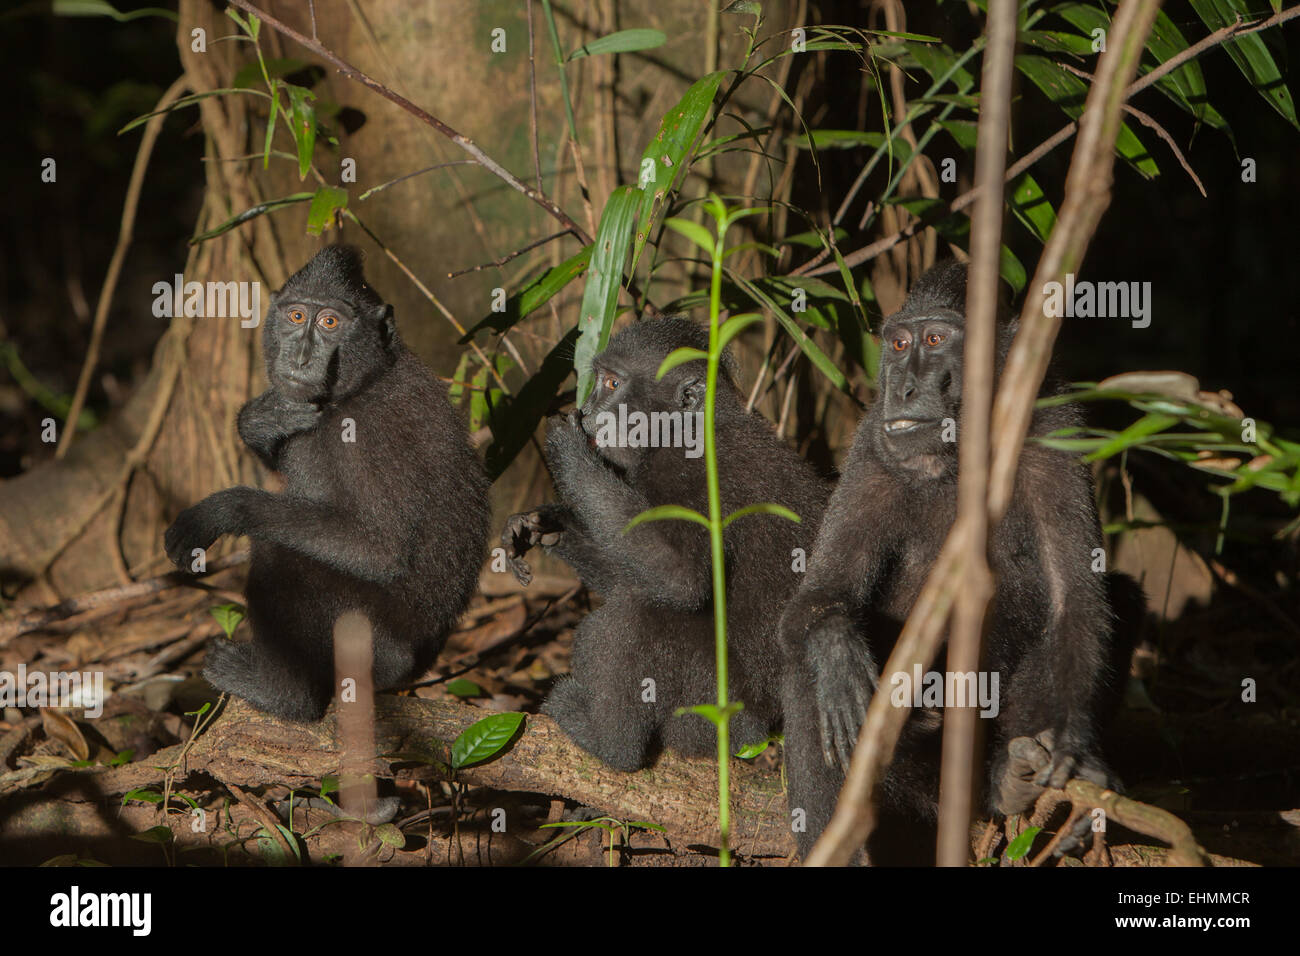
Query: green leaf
665	155
326	201
251	213
679	357
277	68
1134	435
122	758
848	139
461	687
273	852
624	41
694	232
813	238
1021	844
228	616
956	230
160	834
303	127
1069	93
486	396
1250	54
1031	206
963	131
187	101
456	389
1185	85
802	338
942	64
752	7
1055	42
712	712
734	326
750	751
534	295
390	835
143	794
270	124
664	512
515	418
604	279
484	738
766	508
101	8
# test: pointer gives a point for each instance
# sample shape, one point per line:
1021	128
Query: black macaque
1051	638
649	648
384	508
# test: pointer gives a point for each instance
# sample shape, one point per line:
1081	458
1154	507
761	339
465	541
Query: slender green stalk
559	61
719	570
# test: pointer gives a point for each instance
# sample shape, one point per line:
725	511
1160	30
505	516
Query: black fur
656	621
1050	631
392	524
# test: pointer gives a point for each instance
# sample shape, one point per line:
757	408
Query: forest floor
1185	741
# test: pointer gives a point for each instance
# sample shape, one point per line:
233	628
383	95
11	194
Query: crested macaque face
920	391
321	349
626	378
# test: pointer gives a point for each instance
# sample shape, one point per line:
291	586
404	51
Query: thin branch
1087	196
509	255
108	599
1151	124
532	95
393	182
1163	133
125	233
464	142
959	738
428	294
1218	38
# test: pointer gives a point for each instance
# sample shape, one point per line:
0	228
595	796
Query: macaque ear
690	393
387	325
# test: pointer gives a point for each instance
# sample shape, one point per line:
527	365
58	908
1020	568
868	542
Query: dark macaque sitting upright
384	508
649	648
1052	638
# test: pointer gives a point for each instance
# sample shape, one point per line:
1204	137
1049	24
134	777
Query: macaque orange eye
297	316
328	321
934	338
899	344
610	382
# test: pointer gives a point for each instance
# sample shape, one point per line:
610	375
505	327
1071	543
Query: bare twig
107	599
1219	37
532	97
124	235
264	816
508	256
959	741
1141	818
1087	196
1163	133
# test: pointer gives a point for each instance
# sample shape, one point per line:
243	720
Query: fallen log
413	739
